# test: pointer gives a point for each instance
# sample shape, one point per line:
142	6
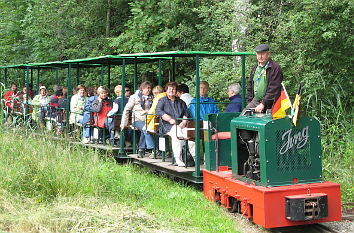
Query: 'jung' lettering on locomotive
299	140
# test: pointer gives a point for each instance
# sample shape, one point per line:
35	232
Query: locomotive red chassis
266	205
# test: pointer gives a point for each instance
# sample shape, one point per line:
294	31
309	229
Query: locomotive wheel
234	205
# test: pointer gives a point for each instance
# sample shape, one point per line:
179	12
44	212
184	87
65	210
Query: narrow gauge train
276	173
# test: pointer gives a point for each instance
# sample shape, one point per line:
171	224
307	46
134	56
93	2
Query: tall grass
333	107
54	186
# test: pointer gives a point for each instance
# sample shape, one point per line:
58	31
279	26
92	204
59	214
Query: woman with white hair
102	105
40	103
234	96
77	104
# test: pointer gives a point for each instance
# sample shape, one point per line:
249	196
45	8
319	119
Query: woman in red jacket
10	97
102	105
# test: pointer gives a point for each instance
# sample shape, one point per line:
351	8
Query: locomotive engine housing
275	152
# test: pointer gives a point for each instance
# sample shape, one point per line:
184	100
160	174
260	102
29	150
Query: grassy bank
53	186
338	156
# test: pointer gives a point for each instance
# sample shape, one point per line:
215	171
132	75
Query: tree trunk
241	9
108	22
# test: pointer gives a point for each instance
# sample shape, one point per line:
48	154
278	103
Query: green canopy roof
46	65
186	54
61	64
87	62
114	60
118	59
18	66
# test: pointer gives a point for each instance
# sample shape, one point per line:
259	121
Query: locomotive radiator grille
293	151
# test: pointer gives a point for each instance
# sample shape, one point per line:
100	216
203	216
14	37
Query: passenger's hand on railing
172	121
182	124
122	127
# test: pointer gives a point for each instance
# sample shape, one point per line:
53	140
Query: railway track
313	228
344	226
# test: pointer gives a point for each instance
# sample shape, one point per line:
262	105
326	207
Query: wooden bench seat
191	130
18	107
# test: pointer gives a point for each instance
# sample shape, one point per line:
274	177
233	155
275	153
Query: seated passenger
205	106
183	94
10	97
170	108
117	109
158	94
24	101
24	91
77	105
55	89
92	95
140	104
54	103
62	101
234	96
40	104
102	105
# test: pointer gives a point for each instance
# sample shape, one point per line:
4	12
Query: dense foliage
311	39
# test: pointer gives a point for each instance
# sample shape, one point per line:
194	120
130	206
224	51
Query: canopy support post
197	119
174	68
57	76
77	75
27	91
38	75
109	76
68	98
121	142
243	82
135	73
31	77
24	77
102	74
160	80
5	77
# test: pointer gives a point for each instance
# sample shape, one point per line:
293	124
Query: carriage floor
169	169
166	167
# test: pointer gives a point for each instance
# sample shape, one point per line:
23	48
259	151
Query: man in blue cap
264	84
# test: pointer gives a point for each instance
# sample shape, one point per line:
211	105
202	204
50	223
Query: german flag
285	100
281	104
297	105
